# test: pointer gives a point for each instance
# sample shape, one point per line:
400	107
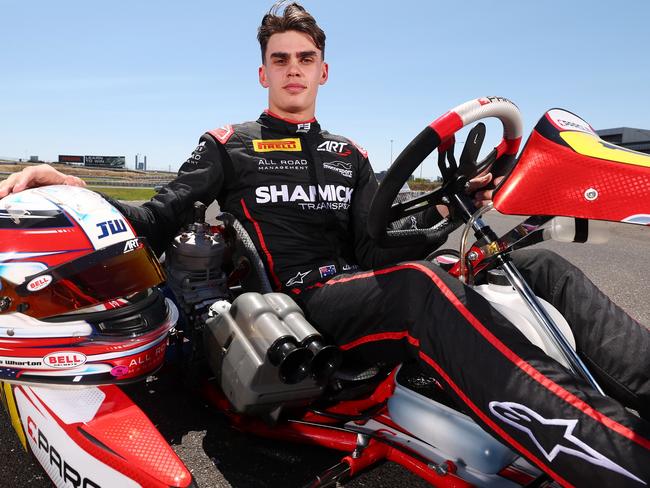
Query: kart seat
248	266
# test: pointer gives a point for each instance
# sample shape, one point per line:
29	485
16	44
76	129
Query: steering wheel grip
438	135
481	108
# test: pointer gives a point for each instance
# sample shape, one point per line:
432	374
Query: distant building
140	164
627	137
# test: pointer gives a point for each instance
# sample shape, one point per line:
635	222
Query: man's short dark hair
293	18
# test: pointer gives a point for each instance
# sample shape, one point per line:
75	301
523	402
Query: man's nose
294	68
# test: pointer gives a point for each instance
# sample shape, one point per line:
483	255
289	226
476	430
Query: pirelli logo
291	144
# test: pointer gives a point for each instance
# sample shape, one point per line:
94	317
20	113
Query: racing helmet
79	296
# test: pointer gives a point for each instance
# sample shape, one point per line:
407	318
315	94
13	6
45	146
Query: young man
303	195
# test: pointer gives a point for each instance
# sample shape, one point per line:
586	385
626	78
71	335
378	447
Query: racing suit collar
279	124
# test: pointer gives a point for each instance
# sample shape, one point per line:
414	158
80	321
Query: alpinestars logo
340	167
334	197
335	147
553	436
298	279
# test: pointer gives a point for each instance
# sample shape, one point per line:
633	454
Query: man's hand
482	197
34	176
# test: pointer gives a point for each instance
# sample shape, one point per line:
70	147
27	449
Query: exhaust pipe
276	327
326	360
293	362
263	351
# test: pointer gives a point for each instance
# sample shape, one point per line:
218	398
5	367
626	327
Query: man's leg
614	346
508	385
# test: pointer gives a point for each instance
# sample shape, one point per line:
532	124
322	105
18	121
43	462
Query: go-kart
251	352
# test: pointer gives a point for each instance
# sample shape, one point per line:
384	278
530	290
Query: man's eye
308	60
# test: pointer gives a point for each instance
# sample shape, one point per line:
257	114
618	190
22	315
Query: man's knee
540	260
427	278
428	271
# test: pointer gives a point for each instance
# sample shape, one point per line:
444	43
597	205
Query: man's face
292	71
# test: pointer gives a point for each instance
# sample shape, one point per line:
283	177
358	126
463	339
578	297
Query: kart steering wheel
439	134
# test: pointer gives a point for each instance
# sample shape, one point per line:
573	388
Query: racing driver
303	195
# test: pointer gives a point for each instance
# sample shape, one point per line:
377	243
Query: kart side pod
265	353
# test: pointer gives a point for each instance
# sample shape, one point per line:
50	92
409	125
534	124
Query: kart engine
262	349
193	263
265	354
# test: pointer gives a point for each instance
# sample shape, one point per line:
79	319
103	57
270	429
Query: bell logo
290	144
64	359
39	283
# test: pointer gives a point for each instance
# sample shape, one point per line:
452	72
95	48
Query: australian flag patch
326	271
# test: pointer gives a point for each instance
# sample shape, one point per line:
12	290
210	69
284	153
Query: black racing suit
301	193
303	196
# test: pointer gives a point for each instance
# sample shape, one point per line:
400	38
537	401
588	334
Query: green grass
125	193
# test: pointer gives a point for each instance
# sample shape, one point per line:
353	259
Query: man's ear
262	76
324	75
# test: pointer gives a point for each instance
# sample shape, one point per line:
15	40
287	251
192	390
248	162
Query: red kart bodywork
565	169
91	437
324	430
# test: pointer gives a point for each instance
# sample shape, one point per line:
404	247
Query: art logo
289	144
335	147
131	245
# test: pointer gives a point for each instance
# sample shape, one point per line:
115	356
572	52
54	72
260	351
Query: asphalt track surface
220	457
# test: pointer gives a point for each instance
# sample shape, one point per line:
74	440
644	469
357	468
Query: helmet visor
120	270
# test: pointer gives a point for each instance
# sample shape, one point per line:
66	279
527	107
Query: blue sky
126	77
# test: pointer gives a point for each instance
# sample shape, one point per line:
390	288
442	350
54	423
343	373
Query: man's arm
200	178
